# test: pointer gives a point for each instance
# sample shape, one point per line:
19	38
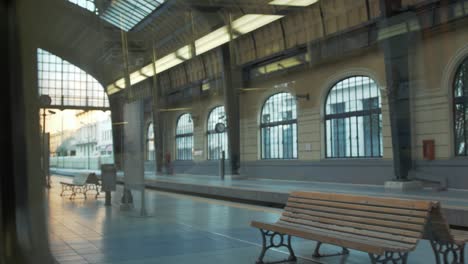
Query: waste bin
108	180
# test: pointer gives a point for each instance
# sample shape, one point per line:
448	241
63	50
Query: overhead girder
87	41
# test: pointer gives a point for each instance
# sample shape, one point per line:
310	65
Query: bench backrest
439	228
399	220
80	179
85	178
92	179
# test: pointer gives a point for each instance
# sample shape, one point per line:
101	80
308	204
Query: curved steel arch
69	86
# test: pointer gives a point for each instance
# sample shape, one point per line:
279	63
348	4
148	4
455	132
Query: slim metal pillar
157	118
232	82
396	52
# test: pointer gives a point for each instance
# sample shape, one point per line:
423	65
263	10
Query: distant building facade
93	138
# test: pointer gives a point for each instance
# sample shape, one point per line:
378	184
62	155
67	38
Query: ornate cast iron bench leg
84	189
268	241
73	194
65	187
98	191
389	258
78	189
317	254
92	187
448	253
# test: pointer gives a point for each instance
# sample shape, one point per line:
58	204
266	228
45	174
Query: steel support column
232	79
116	107
158	129
23	230
157	118
396	52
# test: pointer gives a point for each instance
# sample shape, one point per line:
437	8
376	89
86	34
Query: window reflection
150	153
217	141
184	137
354	119
461	109
279	127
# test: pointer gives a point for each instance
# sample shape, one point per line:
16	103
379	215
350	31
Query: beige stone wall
434	62
300	27
199	110
316	81
434	59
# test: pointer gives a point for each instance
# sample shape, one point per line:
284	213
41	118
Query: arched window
353	119
279	127
460	86
150	153
184	137
217	141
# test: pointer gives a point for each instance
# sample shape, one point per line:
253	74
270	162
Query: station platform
275	192
178	228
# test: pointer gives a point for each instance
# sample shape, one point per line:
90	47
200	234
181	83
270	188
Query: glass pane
184	137
353	110
217	142
460	111
279	133
58	78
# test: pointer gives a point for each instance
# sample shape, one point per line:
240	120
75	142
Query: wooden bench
386	228
448	244
82	183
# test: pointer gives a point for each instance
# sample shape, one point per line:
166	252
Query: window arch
150	151
460	104
279	127
217	141
67	85
353	118
184	137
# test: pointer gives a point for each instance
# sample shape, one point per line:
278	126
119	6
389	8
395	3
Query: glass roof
68	86
126	14
86	4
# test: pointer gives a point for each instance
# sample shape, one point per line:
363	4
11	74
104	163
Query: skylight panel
126	14
293	2
86	4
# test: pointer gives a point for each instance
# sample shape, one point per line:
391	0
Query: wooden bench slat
376	234
367	200
375	225
317	211
360	237
322	237
439	225
338	240
415	233
344	213
460	236
358	207
311	223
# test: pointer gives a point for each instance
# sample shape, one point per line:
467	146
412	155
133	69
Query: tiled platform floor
453	198
180	229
